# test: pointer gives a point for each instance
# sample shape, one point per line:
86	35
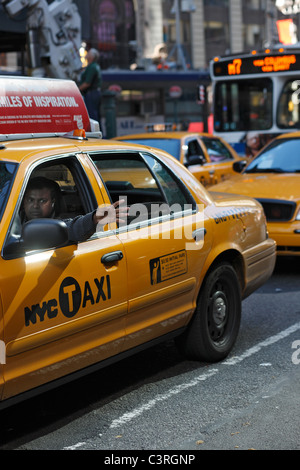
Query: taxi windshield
171	146
281	156
7	172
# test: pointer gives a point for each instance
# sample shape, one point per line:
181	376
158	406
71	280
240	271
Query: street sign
175	91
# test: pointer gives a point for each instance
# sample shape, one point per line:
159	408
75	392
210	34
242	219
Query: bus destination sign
257	64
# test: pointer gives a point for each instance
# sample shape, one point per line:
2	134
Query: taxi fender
226	252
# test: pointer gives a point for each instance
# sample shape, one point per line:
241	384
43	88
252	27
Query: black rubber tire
215	325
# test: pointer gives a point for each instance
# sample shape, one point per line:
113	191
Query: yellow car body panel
272	189
63	310
209	172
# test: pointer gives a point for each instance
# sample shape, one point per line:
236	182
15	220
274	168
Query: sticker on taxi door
168	266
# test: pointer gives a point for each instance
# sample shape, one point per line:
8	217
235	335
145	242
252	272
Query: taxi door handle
111	257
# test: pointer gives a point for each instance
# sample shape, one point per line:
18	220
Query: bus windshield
243	105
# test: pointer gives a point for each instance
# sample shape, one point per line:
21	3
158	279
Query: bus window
288	111
243	105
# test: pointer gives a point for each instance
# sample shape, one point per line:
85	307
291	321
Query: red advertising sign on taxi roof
33	105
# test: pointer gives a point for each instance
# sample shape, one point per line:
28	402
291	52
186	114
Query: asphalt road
159	401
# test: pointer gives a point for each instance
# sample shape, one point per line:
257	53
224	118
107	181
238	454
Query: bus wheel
215	325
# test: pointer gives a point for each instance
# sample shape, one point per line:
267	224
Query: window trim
11	183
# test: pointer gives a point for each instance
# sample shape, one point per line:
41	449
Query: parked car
273	178
208	157
78	294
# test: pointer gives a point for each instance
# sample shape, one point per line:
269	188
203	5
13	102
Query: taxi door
164	258
220	159
195	158
64	309
163	277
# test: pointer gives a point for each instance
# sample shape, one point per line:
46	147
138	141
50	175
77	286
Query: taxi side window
194	154
71	203
141	179
194	148
216	150
71	196
175	194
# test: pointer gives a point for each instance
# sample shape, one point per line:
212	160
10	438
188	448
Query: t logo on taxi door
69	297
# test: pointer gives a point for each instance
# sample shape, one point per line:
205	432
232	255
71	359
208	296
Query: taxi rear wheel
215	325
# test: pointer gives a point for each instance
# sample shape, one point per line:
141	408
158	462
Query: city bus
145	97
256	96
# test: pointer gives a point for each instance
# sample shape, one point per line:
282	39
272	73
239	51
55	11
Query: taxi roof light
159	127
163	127
79	133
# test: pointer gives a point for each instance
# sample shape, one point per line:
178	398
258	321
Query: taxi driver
42	200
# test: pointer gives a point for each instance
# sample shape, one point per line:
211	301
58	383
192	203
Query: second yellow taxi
273	178
209	158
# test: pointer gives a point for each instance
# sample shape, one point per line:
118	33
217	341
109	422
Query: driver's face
38	203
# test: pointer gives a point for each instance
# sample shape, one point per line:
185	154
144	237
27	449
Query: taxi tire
215	325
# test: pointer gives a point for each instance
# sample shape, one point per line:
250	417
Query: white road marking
267	342
75	446
127	417
161	397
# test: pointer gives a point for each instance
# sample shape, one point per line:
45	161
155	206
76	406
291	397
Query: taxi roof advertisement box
33	105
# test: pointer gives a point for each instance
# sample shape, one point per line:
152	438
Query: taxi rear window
142	179
171	146
7	173
216	150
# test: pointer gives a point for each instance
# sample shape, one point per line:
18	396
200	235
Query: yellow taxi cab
273	178
177	266
208	157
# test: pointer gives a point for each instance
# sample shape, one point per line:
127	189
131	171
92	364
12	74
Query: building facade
136	33
134	30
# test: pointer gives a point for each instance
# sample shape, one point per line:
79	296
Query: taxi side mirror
37	234
195	160
239	165
42	234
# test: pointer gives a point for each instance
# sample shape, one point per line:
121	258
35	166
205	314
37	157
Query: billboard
34	105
